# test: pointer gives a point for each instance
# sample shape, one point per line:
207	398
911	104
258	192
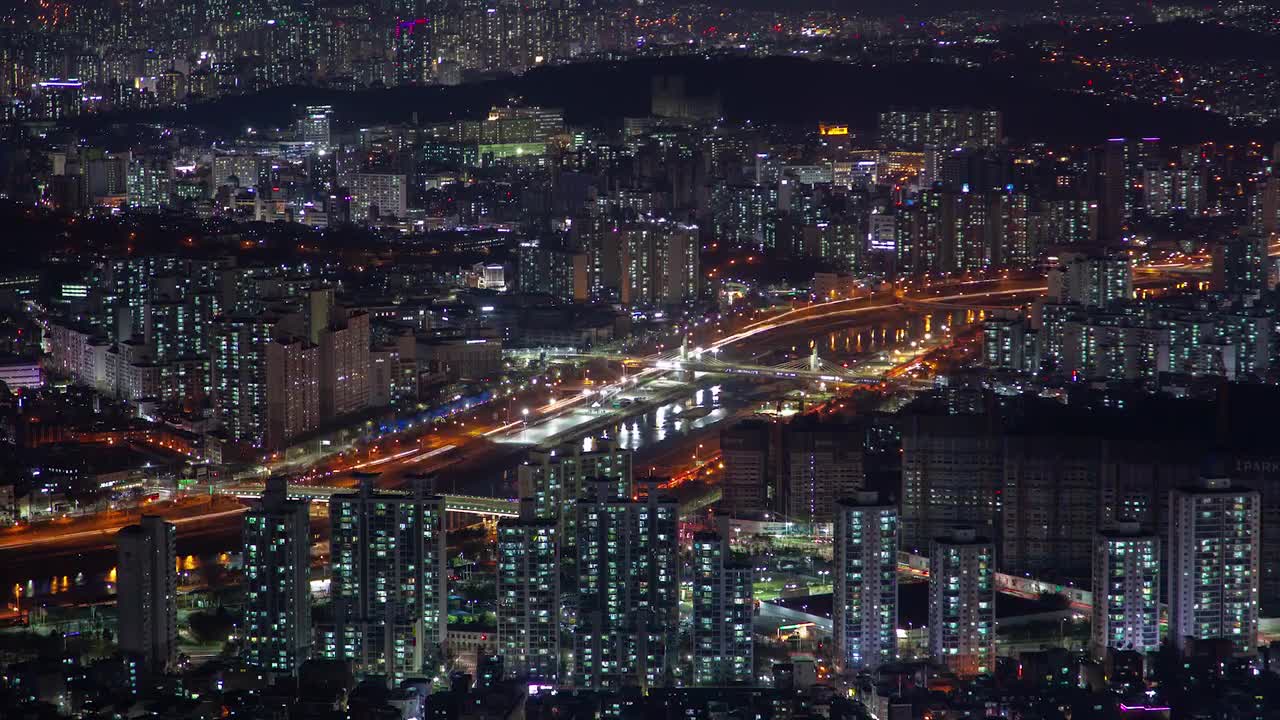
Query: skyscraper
147	592
723	607
1214	536
962	615
314	126
378	195
628	589
1005	343
293	390
277	573
942	127
951	474
150	182
659	263
1091	279
824	463
865	577
528	591
239	370
1114	178
389	580
1126	590
1269	207
556	478
748	453
344	365
557	271
1240	264
1049	499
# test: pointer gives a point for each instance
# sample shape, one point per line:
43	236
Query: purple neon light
1143	708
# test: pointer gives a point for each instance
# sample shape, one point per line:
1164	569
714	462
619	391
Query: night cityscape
639	360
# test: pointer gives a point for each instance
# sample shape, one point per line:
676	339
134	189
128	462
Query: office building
277	582
314	127
628	589
240	171
147	592
962	601
513	125
104	177
462	358
528	592
390	603
1126	590
865	582
723	607
1213	564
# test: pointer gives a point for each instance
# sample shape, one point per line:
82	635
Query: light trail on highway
779	322
105	533
420	459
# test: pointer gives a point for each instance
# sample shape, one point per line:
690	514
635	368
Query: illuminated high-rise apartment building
865	582
1213	564
528	591
628	589
389	584
723	607
277	581
962	603
1126	590
556	478
147	592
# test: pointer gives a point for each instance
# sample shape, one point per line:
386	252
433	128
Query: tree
211	627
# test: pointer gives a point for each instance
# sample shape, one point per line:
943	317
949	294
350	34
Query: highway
474	447
99	537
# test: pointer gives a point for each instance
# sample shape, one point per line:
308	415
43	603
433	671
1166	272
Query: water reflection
699	410
847	343
86	585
